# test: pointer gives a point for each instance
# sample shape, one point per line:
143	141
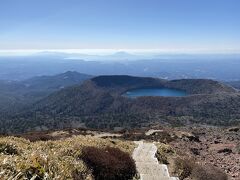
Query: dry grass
164	151
51	159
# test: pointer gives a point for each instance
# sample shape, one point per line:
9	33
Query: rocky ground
217	146
212	147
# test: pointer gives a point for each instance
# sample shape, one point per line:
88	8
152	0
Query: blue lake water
166	92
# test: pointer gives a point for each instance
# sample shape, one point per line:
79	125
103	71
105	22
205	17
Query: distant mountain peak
123	54
71	72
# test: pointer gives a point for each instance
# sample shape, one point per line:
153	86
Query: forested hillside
16	94
99	103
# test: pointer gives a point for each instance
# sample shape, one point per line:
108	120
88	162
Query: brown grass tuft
207	172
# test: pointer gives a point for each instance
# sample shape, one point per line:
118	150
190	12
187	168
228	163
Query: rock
225	150
234	129
195	151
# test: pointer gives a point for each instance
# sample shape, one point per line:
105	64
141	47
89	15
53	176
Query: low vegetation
109	163
163	152
8	149
186	167
207	172
183	167
60	159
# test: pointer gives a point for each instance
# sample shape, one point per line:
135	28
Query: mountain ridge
98	103
19	93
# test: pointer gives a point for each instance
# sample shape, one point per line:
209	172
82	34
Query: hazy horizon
108	52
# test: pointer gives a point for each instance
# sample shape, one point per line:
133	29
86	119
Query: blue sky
168	25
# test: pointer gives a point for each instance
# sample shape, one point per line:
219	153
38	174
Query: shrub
162	158
208	172
109	163
163	152
183	167
8	149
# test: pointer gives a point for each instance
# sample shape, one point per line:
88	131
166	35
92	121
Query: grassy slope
52	159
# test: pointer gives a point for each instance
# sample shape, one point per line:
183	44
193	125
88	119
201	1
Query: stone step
154	177
146	160
160	170
147	164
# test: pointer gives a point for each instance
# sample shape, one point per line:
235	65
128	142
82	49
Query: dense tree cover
16	94
99	103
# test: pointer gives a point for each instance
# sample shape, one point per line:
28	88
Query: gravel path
147	164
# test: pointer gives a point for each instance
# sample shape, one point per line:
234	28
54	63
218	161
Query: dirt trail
147	164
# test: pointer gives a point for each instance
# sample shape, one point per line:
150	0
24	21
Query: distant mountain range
222	68
121	55
15	94
98	103
124	55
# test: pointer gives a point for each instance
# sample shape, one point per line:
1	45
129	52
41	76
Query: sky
148	25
